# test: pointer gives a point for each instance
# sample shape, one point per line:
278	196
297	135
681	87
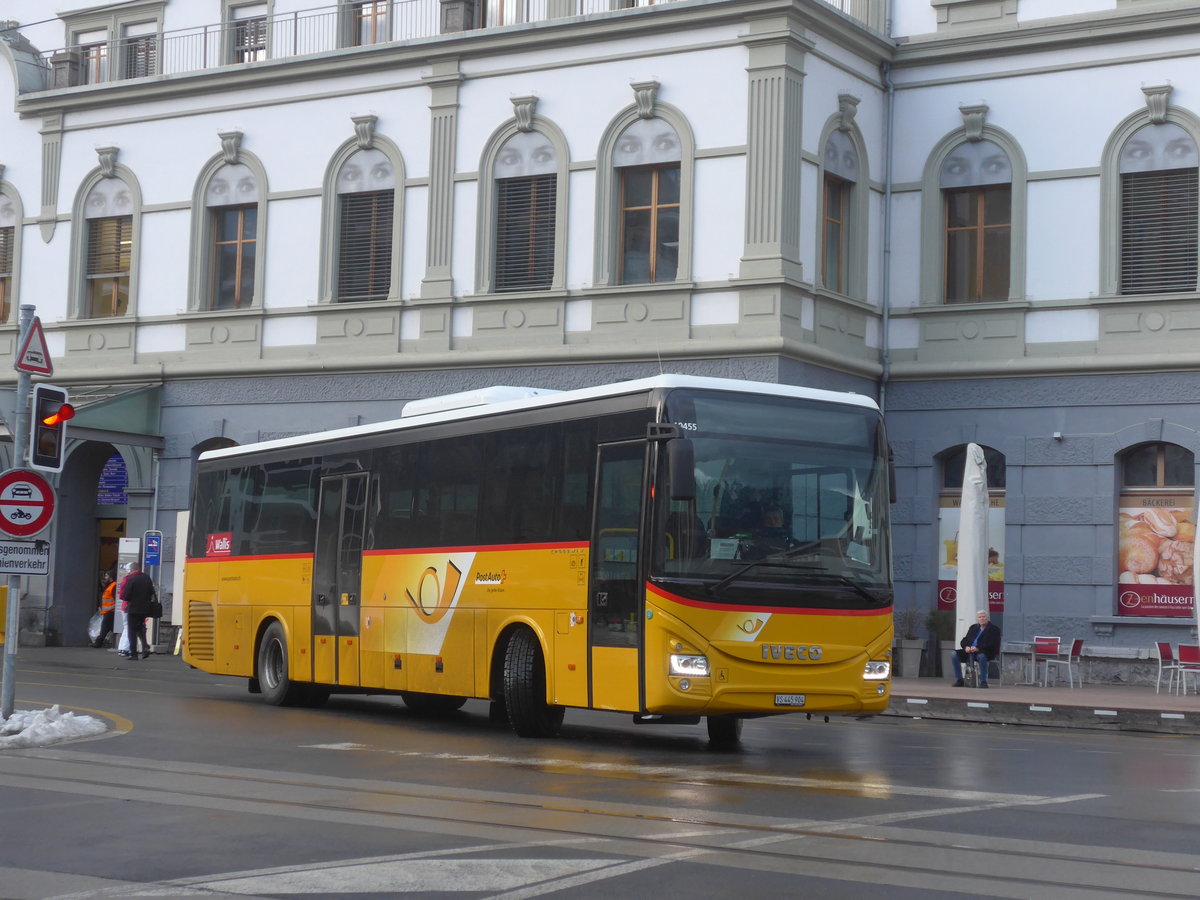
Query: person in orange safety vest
108	608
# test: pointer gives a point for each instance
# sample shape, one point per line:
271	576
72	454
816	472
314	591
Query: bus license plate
789	699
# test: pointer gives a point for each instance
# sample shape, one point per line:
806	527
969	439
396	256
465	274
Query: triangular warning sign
33	356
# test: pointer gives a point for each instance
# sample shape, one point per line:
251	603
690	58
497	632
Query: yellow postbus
675	547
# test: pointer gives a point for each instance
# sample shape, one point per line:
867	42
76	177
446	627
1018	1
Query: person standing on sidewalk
981	642
137	592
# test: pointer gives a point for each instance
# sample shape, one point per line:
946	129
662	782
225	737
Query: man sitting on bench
981	643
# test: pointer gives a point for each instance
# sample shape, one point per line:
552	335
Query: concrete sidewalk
1101	706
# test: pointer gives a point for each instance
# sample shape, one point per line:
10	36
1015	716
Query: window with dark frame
250	39
1158	466
833	247
649	210
365	249
978	243
234	244
525	232
108	264
140	56
93	60
1159	210
369	22
7	241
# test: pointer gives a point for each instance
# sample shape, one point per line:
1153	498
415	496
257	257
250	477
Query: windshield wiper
819	571
738	573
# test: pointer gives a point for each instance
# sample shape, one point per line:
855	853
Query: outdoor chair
1189	664
1045	649
1167	665
1070	661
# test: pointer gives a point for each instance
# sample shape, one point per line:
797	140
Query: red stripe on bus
478	548
805	610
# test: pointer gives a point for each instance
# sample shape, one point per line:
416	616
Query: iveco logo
790	651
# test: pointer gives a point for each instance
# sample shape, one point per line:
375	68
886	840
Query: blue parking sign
153	547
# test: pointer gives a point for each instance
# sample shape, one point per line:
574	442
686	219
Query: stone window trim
933	215
485	242
230	18
14	284
606	273
331	222
1110	191
857	230
200	274
114	21
77	297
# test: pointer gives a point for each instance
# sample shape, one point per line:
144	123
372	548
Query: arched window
366	198
646	157
231	200
841	165
976	184
1156	533
526	172
108	263
1159	204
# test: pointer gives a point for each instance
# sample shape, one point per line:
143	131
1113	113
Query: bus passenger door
337	579
616	583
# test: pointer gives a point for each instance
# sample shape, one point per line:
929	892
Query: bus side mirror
681	469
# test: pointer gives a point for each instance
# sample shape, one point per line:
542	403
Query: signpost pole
13	619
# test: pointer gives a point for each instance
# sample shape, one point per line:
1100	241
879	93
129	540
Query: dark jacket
138	593
989	641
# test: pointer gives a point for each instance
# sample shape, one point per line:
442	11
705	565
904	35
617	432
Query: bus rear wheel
724	731
278	689
525	688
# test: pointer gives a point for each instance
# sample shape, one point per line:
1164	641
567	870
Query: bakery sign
1156	543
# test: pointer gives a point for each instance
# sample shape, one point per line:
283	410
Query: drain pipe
885	75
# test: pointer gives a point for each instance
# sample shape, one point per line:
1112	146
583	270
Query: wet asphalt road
203	790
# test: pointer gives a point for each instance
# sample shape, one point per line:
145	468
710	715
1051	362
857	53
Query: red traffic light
60	415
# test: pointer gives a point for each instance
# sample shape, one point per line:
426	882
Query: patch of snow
39	727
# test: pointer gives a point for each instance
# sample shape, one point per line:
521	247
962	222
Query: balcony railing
316	31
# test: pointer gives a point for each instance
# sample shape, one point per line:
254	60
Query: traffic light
48	432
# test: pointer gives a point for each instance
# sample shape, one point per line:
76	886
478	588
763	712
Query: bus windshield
791	497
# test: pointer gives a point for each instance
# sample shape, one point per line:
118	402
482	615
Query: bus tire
525	688
431	704
724	731
278	689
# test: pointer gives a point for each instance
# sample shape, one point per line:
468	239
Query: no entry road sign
26	502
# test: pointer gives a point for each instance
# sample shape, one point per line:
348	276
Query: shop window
1156	532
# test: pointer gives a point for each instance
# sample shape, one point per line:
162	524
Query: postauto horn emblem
791	652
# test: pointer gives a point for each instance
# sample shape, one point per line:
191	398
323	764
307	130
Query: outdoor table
1024	649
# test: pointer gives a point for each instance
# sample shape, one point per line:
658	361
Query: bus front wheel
525	688
278	689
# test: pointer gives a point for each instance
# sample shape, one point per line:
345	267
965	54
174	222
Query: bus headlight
876	670
693	664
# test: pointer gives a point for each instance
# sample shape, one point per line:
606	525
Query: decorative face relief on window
647	142
110	197
841	158
524	154
1153	148
366	170
973	164
231	186
8	212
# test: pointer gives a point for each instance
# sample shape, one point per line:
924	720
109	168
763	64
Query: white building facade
244	219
